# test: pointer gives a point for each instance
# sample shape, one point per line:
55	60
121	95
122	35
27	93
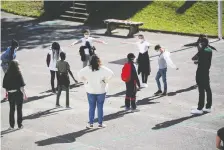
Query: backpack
126	72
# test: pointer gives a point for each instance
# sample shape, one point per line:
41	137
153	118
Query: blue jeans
96	100
161	73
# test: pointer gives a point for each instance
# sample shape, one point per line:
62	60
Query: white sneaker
101	126
196	112
207	110
89	126
144	85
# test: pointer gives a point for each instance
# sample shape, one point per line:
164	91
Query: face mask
141	40
86	35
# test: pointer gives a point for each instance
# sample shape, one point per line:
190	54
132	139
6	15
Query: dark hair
157	47
13	69
95	63
62	55
130	56
204	42
55	47
86	31
140	36
14	45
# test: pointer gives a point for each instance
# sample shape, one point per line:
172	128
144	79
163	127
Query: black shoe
164	94
158	92
21	126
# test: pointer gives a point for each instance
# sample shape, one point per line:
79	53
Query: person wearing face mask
87	49
8	56
163	60
202	78
143	59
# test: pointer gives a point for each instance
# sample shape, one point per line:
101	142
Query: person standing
8	56
130	77
202	78
219	139
52	58
163	60
63	80
96	78
143	59
87	49
14	84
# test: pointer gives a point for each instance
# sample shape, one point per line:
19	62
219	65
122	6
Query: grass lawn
161	15
23	8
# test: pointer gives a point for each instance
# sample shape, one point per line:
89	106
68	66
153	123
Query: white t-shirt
143	47
54	59
90	40
96	82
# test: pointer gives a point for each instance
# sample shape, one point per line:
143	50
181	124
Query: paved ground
162	122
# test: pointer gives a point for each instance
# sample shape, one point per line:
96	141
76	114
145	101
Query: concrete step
71	18
77	8
77	14
81	5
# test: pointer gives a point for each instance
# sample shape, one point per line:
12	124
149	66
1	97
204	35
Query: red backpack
126	72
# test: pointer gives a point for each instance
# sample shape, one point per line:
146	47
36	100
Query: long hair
95	63
14	45
13	69
55	49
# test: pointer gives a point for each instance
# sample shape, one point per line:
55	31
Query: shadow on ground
45	113
167	124
66	138
183	90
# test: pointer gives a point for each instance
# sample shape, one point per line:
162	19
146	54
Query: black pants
53	73
203	83
131	91
144	78
15	98
59	94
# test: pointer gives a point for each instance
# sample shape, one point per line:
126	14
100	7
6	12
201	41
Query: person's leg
209	95
146	78
127	97
19	108
100	102
67	96
57	77
133	97
12	110
143	77
201	101
158	75
85	63
163	73
88	59
52	80
58	95
92	107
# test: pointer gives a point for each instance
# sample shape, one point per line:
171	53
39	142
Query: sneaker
101	126
53	91
127	109
196	112
10	128
68	107
89	126
21	127
207	110
144	85
58	106
158	92
164	94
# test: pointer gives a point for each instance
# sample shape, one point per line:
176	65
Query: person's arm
108	74
76	42
69	71
212	47
125	42
218	142
24	93
99	41
169	60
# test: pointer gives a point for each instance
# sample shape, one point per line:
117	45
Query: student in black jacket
131	86
202	78
14	85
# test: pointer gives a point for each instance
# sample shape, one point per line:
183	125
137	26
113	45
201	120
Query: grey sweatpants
87	61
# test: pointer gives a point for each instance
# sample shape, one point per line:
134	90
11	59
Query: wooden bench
112	24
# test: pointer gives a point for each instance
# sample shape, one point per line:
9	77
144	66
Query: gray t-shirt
62	66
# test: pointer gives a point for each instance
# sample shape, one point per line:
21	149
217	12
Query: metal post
220	19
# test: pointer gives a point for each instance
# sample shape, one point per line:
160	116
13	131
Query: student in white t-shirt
143	59
87	49
52	58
